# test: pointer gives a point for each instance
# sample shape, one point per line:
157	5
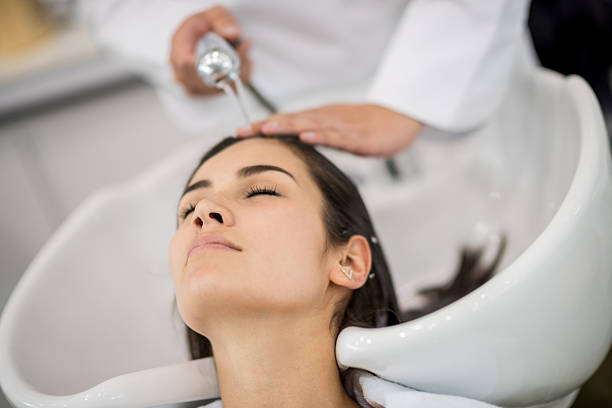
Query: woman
273	255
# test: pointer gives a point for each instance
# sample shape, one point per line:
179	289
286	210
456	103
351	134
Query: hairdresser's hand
182	55
366	130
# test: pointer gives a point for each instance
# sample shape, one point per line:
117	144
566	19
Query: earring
348	274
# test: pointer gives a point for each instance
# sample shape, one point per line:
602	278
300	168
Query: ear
356	259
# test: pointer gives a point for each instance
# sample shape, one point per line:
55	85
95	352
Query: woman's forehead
252	152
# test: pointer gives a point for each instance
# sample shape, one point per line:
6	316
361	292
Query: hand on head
366	130
217	19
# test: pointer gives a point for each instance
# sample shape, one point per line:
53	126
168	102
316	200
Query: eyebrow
242	173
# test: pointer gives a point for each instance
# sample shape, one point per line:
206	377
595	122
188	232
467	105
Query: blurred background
73	120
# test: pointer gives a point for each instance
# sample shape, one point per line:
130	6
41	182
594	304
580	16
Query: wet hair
344	214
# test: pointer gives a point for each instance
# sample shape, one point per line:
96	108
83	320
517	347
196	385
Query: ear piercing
348	274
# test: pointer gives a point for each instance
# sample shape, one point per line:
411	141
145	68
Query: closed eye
183	214
255	190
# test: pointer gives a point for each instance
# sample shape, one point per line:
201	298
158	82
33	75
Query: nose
209	212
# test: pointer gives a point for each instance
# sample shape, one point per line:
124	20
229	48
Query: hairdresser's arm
447	66
145	35
449	62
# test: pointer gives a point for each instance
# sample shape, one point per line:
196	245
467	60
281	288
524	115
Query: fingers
329	125
337	140
182	54
290	123
243	49
331	138
186	36
323	137
224	23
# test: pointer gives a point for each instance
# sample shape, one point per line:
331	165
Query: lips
212	241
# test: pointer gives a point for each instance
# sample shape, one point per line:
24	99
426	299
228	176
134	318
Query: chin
211	263
211	282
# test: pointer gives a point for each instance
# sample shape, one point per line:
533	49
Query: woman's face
250	239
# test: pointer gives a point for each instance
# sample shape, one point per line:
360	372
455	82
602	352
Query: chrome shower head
216	60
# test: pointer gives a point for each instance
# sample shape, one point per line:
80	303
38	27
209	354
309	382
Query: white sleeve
139	32
449	62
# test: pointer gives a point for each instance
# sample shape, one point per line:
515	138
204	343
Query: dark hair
344	215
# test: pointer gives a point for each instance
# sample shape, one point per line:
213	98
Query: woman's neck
273	364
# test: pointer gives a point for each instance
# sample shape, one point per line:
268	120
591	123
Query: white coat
444	62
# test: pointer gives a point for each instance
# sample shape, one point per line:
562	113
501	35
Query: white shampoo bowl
92	324
537	330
